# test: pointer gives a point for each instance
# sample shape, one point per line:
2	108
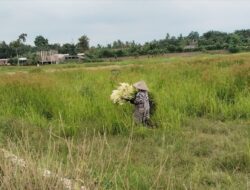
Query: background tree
41	43
83	44
234	43
213	40
5	51
68	48
55	46
17	44
22	37
193	36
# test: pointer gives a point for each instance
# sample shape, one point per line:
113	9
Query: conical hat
141	85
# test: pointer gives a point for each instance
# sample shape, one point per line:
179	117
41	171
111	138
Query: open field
60	117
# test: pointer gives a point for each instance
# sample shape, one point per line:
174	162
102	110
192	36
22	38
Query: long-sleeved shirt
142	107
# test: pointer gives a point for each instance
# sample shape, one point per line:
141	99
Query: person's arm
139	99
130	100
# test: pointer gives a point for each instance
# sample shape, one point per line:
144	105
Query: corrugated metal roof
22	59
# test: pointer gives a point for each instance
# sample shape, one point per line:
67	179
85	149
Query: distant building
22	60
4	62
81	55
192	45
58	58
51	57
71	57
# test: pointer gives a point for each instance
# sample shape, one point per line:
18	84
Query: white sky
108	20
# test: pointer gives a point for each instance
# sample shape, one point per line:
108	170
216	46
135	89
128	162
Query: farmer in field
141	102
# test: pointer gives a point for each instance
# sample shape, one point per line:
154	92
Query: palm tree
16	44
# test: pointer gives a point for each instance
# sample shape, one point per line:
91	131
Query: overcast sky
108	20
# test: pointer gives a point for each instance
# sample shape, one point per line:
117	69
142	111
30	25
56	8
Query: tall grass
202	156
80	99
64	120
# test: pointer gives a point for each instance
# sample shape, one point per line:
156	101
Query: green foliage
180	91
41	43
5	50
22	37
152	103
64	121
68	49
211	40
234	49
83	44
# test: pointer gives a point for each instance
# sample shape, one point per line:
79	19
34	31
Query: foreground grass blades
203	155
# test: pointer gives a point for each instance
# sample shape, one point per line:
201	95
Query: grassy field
60	117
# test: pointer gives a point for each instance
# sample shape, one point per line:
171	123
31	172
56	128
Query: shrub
234	49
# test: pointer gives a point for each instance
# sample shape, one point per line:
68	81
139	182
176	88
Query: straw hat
141	85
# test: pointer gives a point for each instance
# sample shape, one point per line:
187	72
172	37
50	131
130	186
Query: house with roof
4	62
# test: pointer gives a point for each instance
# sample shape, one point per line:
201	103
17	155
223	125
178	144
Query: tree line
236	41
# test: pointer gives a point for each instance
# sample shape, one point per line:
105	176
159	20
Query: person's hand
126	99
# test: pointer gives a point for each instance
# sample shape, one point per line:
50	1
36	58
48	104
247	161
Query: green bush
234	49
